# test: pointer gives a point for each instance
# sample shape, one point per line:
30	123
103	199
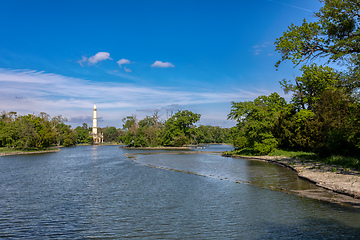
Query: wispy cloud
258	49
127	70
27	91
124	61
100	56
160	64
292	6
82	61
126	76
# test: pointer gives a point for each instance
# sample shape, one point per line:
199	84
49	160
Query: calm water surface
95	192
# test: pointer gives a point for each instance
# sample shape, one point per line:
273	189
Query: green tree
330	124
333	127
67	135
335	36
179	129
335	120
256	121
130	136
111	134
45	132
314	81
150	129
83	134
212	134
23	133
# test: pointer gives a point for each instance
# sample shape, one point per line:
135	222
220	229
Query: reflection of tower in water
97	137
94	153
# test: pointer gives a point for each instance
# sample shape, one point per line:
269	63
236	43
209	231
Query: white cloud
161	64
123	61
82	61
100	56
127	70
28	91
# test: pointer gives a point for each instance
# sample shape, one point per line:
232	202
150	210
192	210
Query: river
106	192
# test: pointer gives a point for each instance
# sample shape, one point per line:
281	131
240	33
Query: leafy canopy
308	87
334	36
256	121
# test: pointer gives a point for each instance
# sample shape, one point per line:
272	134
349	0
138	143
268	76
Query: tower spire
94	128
97	137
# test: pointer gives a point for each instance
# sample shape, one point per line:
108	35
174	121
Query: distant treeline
42	131
178	130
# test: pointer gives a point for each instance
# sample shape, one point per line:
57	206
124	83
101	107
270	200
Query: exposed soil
346	182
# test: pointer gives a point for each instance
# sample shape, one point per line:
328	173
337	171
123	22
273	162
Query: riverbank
8	152
329	177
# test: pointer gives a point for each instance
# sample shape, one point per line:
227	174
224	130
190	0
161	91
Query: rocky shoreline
345	182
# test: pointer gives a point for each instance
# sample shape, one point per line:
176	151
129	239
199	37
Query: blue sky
132	57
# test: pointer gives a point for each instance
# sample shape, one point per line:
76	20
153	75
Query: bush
266	146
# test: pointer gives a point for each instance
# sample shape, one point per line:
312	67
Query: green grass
241	152
8	150
340	161
343	161
277	152
5	150
292	154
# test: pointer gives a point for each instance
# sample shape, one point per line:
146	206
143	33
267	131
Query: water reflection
212	165
77	194
94	152
258	173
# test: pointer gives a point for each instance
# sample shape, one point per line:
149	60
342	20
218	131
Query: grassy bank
10	151
340	161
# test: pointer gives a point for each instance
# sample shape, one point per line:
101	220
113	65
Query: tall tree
111	134
256	121
313	82
335	36
130	127
179	128
83	134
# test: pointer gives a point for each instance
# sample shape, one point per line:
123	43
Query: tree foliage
176	131
34	131
256	121
179	129
313	82
323	115
83	134
335	36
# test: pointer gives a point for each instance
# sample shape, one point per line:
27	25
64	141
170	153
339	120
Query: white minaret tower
94	128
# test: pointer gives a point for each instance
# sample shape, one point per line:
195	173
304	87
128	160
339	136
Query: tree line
176	131
323	115
42	131
34	131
